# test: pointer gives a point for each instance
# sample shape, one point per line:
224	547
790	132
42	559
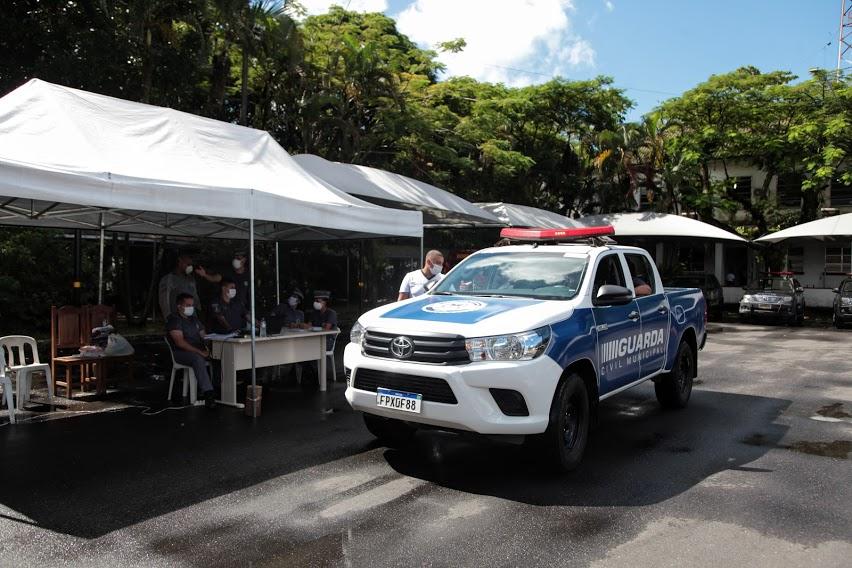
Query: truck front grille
437	349
432	389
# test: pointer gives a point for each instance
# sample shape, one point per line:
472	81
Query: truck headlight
846	301
514	347
357	333
747	299
787	300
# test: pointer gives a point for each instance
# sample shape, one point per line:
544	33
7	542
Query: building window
741	189
840	194
796	260
789	189
838	260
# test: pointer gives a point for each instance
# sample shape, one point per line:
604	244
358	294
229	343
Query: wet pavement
755	472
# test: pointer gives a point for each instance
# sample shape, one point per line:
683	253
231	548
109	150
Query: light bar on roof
556	234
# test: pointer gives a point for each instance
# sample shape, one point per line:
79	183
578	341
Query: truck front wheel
568	432
673	389
390	432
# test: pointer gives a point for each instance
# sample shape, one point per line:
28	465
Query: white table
290	346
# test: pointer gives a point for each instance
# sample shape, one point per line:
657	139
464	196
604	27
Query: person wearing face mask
420	281
185	334
323	316
180	280
288	314
227	312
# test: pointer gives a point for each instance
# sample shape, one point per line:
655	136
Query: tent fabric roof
835	226
526	216
70	158
439	207
650	224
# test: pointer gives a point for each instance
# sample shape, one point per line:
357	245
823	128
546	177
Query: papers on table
220	336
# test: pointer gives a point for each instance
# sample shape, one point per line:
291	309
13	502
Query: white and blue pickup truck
526	339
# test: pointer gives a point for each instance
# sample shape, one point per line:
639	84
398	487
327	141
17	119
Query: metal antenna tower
844	35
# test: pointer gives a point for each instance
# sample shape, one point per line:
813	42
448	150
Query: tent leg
252	316
420	260
277	277
101	265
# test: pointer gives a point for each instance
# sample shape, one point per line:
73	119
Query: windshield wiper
443	293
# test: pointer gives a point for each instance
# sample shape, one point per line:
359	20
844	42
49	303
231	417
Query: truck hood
469	316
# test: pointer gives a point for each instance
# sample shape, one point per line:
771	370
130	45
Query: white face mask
237	263
293	301
317	305
437	269
188	269
232	292
188	311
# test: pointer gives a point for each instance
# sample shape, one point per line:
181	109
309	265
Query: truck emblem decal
401	347
454	306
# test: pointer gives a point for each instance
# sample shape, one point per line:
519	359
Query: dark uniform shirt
288	315
320	318
190	327
233	312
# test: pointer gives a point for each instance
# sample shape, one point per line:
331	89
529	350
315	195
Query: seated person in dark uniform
288	314
323	316
227	312
186	336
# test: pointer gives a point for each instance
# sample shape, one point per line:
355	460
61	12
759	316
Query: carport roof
827	227
651	224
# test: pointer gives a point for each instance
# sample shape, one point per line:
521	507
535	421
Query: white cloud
321	6
609	6
518	42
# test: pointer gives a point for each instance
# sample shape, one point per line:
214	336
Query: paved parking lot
755	472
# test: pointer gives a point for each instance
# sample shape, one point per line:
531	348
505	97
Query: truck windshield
548	276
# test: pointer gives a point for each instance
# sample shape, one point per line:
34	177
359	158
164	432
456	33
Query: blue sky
655	49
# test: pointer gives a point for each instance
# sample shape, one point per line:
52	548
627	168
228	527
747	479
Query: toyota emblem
401	347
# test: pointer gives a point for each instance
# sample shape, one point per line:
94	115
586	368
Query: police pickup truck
526	339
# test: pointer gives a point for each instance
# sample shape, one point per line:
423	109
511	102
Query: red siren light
556	234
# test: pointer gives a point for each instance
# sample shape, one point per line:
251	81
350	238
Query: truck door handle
663	310
634	315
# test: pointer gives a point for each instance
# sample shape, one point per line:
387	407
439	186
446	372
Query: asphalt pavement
755	472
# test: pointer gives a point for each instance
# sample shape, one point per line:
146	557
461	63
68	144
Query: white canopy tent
526	216
836	226
652	224
74	159
440	208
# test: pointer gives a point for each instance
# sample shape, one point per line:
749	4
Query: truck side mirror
800	289
836	290
611	295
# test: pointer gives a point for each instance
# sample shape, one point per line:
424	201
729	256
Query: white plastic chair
16	346
6	383
189	381
329	353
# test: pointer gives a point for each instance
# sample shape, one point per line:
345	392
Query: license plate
764	306
398	400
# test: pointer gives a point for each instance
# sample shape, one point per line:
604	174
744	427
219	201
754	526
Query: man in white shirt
421	281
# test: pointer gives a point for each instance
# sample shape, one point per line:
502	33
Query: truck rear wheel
390	432
673	389
568	432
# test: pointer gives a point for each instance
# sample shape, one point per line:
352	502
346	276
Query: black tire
673	389
837	323
390	432
570	418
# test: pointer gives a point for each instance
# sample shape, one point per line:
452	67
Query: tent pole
252	326
420	260
101	265
277	277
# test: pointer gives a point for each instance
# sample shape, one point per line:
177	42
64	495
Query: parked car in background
709	285
842	304
776	296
